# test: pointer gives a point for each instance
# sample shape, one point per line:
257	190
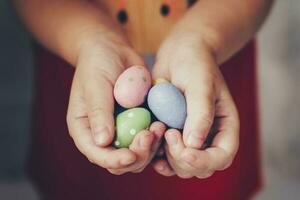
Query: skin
208	99
209	34
222	29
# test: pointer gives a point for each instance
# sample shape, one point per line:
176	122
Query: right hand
90	113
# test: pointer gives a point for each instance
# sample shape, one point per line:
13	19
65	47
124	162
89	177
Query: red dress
61	172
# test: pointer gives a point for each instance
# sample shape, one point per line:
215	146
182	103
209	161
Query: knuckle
96	111
108	77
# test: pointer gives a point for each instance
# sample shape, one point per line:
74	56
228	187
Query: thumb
99	95
133	58
200	114
100	107
160	71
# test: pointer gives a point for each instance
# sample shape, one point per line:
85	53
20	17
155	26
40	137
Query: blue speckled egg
168	104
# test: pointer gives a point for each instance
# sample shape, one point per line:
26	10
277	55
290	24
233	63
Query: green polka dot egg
129	123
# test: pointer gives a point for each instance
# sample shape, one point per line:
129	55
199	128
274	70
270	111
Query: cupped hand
189	64
90	112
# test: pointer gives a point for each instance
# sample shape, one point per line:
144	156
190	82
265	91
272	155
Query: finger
162	167
228	124
174	148
96	78
158	129
104	157
100	102
174	144
204	162
222	151
143	146
200	99
81	133
225	144
177	165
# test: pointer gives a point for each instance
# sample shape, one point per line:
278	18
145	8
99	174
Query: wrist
94	42
202	38
181	47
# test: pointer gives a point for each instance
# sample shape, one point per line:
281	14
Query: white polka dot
117	143
132	131
130	115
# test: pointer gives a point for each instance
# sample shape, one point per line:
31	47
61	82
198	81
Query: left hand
189	63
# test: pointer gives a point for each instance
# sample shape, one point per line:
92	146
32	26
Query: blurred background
279	81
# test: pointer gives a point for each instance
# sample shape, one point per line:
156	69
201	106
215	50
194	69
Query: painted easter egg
129	123
168	104
132	86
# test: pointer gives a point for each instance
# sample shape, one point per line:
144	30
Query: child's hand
144	145
91	105
190	65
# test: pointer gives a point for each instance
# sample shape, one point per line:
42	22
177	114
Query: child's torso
146	23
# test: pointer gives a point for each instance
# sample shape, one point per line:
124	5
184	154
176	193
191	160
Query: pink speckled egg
132	86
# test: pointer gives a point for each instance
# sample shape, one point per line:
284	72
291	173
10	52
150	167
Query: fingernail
127	161
100	136
171	138
194	140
